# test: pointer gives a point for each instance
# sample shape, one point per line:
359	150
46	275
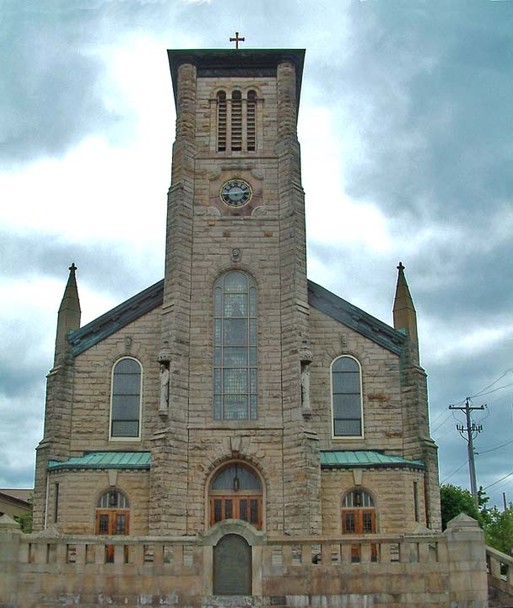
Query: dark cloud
477	287
52	75
50	81
429	88
116	270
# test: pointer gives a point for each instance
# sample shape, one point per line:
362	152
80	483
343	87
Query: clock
236	192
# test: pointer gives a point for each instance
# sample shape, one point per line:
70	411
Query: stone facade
301	475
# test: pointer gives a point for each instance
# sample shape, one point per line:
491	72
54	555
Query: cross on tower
237	40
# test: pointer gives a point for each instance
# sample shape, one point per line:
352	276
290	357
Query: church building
235	397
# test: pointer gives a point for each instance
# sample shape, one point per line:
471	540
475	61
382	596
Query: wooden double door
112	522
360	521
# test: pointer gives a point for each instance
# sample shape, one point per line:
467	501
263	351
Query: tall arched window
126	399
235	347
346	395
236	493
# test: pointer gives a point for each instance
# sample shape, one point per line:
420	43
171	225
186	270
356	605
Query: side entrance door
359	521
111	522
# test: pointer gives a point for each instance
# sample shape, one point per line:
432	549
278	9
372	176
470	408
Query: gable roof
117	318
355	318
318	297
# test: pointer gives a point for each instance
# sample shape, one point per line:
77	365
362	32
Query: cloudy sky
406	127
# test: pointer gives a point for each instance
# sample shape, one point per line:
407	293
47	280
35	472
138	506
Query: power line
441	423
498	480
482	392
446	479
497	447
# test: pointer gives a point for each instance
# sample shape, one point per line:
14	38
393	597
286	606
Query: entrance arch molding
250	534
217	466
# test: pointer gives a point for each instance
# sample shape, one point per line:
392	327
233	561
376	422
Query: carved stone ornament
164	354
236	254
128	344
235	444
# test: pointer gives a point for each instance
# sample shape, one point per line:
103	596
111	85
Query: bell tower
235	344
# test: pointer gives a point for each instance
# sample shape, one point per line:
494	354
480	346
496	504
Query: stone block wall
93	384
381	384
392	492
79	492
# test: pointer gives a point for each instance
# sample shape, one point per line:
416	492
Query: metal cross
237	40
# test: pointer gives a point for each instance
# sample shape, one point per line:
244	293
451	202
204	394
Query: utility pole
471	430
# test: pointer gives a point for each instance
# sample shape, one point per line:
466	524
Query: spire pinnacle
68	318
405	316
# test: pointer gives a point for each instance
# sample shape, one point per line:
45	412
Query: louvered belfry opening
236	121
222	114
251	121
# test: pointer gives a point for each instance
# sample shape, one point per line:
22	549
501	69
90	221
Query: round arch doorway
235	492
232	566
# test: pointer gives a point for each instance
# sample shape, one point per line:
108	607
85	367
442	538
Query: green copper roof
104	460
341	459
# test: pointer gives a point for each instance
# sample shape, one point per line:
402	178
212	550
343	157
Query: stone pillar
301	470
168	501
9	554
468	583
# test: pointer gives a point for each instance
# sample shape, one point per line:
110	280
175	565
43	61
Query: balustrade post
10	536
468	581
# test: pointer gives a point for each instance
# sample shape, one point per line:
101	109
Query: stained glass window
126	399
346	396
235	336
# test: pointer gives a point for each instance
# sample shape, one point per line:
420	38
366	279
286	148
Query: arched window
235	347
221	121
113	499
126	399
346	395
236	121
357	499
236	493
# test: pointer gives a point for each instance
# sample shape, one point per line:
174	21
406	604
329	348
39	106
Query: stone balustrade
374	571
500	577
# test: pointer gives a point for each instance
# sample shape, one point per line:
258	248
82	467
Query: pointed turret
68	318
405	316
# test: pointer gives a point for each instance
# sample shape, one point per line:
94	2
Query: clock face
236	192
